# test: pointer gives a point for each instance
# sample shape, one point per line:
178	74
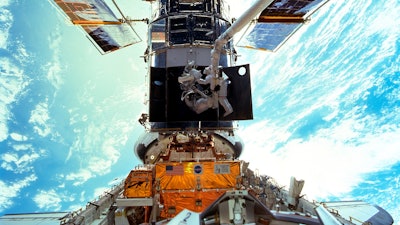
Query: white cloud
21	147
18	163
82	196
385	21
79	177
12	79
99	146
4	3
99	165
105	132
40	119
12	83
99	191
54	71
49	200
6	20
116	181
331	161
18	137
11	190
54	68
102	166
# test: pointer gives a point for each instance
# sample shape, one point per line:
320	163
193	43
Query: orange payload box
190	175
194	185
139	184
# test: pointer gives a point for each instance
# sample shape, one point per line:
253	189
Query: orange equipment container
194	185
139	183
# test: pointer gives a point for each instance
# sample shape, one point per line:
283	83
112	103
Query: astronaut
219	86
190	75
188	82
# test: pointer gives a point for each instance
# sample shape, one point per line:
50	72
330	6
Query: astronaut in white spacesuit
188	82
218	86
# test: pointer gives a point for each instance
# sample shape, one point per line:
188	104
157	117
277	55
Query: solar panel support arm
238	25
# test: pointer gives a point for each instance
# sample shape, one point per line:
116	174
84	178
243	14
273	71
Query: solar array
277	23
103	28
274	26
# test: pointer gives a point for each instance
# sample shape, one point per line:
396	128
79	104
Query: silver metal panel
125	202
32	219
355	211
201	56
326	217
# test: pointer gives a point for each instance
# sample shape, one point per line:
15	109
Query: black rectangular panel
170	103
239	93
157	109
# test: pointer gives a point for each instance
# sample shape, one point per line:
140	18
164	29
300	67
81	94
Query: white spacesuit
188	81
218	86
